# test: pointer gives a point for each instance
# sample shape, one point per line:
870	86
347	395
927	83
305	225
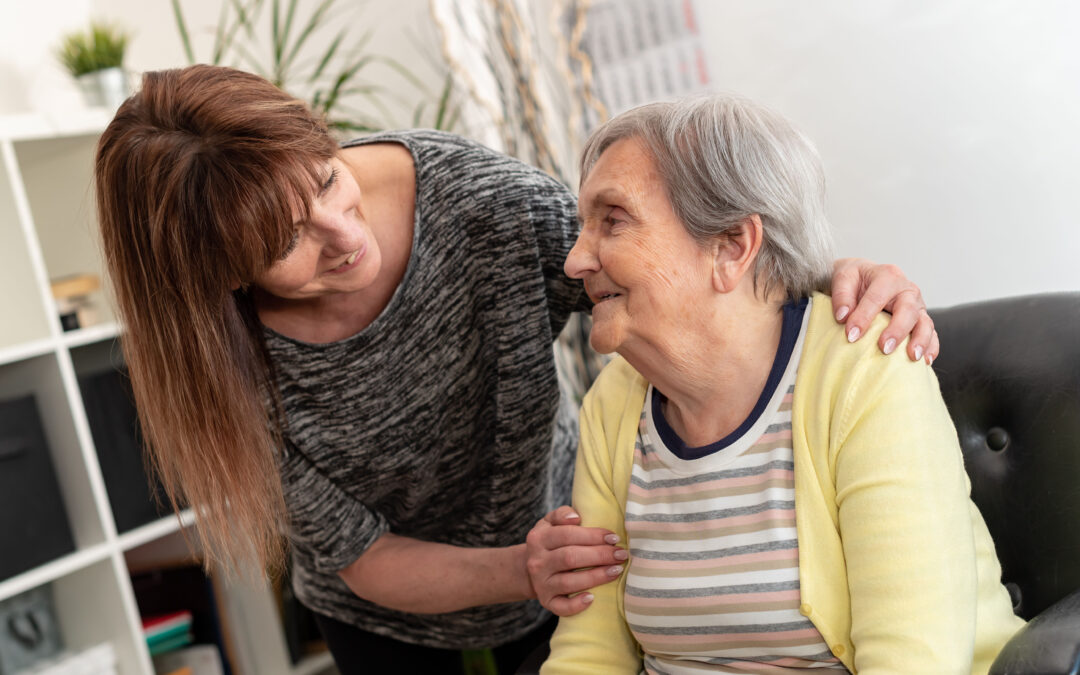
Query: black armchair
1010	375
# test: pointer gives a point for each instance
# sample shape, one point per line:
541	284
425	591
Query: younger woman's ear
735	253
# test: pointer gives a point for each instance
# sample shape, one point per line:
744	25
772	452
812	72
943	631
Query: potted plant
95	59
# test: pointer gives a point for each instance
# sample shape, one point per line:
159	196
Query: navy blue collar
789	335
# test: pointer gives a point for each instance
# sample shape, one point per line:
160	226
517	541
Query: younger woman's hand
861	289
565	559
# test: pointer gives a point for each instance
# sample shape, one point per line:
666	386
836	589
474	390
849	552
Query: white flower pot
106	88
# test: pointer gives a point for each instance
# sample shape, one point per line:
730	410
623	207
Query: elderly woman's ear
734	254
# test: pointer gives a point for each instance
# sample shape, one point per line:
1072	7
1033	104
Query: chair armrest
1049	643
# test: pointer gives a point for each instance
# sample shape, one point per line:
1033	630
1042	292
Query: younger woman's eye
329	182
292	245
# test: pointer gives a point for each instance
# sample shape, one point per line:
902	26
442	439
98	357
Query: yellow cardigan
897	568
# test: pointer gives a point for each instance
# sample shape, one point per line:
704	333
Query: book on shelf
166	632
180	610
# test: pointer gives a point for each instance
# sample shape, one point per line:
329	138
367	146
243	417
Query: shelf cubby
48	231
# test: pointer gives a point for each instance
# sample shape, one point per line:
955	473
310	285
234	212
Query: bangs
271	200
234	216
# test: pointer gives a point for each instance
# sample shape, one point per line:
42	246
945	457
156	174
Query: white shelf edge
43	126
91	334
51	571
313	664
155	530
27	350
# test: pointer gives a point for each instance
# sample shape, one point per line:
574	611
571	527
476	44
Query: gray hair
723	159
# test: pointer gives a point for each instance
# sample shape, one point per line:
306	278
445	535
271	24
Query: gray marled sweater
442	420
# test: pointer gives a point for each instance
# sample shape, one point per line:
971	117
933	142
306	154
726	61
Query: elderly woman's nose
581	259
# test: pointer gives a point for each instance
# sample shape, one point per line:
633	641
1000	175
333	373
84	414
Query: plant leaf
275	35
328	56
181	26
313	22
444	101
219	34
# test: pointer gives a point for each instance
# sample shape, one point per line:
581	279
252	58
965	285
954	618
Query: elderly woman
788	501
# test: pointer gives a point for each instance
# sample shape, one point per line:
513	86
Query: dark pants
357	651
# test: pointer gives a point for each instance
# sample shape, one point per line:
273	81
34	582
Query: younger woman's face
333	250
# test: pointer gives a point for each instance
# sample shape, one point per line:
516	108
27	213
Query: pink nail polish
890	345
614	570
587	598
853	334
611	538
841	312
620	554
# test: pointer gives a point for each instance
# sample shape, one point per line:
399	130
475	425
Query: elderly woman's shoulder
826	340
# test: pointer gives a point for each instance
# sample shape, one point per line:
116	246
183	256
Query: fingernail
587	598
614	570
890	345
841	312
572	515
611	538
918	352
853	334
929	360
621	554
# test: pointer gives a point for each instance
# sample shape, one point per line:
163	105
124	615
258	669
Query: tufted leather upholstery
1010	375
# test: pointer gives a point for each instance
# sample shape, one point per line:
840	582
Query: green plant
445	114
330	80
101	47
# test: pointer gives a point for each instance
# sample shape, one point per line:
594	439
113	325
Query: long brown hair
198	178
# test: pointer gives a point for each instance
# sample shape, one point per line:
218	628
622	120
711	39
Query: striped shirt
713	583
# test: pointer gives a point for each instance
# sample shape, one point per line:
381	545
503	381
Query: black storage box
110	411
34	527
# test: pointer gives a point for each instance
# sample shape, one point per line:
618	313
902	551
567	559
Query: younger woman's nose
337	230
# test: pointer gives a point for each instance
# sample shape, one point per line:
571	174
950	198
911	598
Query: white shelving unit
48	230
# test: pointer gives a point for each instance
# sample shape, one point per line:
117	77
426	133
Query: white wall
30	30
29	33
949	129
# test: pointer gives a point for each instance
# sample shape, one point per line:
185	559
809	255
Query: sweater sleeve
597	640
327	526
903	509
554	219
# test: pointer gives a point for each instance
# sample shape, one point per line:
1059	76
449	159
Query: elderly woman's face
646	276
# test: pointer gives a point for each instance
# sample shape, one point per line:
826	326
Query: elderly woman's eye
615	216
612	221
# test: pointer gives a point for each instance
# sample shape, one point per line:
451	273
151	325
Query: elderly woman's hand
870	288
566	559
